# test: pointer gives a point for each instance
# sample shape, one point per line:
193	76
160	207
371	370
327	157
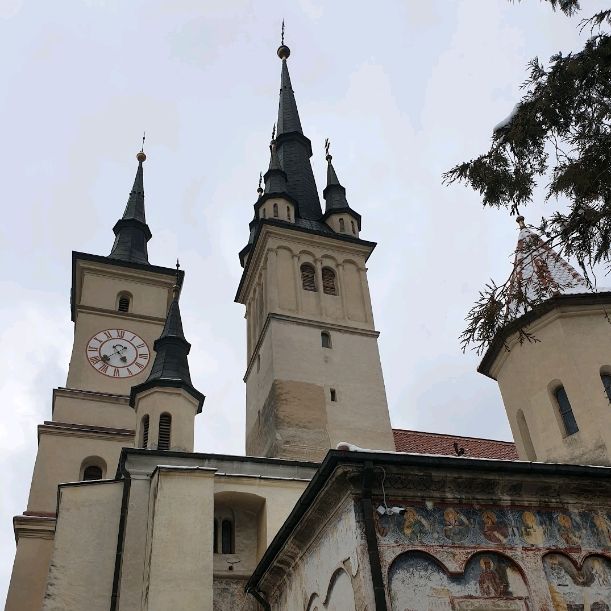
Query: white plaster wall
573	346
83	560
93	409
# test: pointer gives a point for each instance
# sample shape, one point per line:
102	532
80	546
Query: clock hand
107	357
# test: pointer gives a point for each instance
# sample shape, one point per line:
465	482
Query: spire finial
176	287
327	154
260	188
283	50
141	156
520	222
274	132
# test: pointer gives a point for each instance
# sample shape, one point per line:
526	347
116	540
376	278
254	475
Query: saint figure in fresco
490	583
599	573
530	530
494	531
565	529
414	525
456	526
603	527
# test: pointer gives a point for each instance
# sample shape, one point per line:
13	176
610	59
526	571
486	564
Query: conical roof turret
131	231
334	193
275	177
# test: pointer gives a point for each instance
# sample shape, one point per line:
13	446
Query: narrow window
215	541
342	226
92	472
308	277
606	380
566	411
165	432
328	281
123	304
353	227
325	339
275	211
227	537
288	213
263	212
145	431
333	395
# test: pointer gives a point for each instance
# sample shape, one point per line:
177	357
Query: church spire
275	177
131	231
294	149
171	365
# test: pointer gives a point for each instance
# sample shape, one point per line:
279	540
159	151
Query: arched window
308	277
215	541
328	281
342	226
263	212
353	227
325	339
227	537
123	302
144	436
566	411
92	472
165	432
275	211
606	380
288	213
525	436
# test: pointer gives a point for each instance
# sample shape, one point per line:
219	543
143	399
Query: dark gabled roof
131	231
171	365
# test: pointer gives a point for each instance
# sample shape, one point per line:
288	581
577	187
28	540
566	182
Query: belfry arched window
92	472
144	435
165	432
329	285
566	411
325	339
93	468
606	380
123	302
275	211
308	277
342	225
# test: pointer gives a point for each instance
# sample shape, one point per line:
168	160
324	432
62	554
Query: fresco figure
382	523
530	530
494	531
490	583
603	527
566	530
599	573
414	525
456	526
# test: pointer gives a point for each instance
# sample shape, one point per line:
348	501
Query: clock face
118	353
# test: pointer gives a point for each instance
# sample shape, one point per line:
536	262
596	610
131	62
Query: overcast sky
404	90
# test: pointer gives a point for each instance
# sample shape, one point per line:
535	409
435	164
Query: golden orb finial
141	156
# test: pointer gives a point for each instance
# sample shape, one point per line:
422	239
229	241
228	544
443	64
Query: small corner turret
338	213
166	403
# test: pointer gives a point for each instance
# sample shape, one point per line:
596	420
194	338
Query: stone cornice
85	431
34	526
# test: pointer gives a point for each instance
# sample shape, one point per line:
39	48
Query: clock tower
119	305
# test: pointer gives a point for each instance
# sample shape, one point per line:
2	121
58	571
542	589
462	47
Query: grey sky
403	89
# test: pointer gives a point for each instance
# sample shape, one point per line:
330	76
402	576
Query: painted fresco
490	583
571	589
436	524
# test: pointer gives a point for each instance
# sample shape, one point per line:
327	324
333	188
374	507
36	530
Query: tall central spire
294	149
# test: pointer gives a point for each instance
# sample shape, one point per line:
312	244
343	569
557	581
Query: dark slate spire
171	365
334	193
131	231
294	149
275	177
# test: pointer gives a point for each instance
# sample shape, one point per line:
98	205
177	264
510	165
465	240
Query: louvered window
328	281
325	339
123	305
145	431
275	211
308	277
227	537
342	226
566	411
165	432
92	472
606	380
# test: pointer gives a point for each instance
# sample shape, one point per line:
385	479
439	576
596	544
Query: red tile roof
419	442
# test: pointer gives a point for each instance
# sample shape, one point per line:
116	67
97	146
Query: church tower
556	387
313	375
119	304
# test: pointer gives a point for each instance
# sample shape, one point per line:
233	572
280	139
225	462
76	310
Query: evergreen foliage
559	131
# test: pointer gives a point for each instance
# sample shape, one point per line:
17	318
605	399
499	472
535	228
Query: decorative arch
340	573
93	467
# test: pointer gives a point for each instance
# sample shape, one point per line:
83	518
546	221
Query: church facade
124	515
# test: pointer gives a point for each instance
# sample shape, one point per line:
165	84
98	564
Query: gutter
372	540
116	581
